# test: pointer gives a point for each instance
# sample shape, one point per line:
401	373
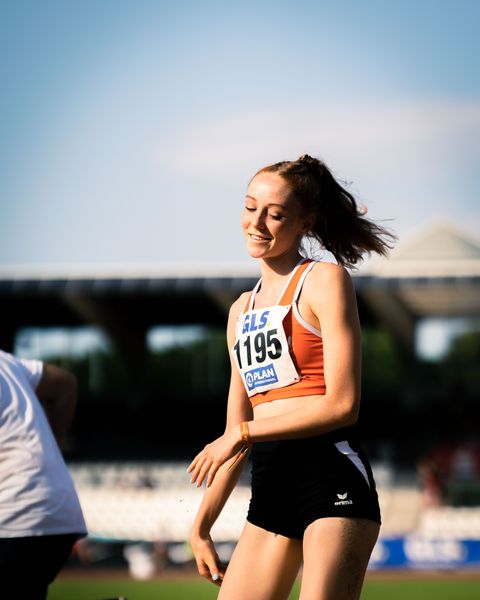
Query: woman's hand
209	564
211	458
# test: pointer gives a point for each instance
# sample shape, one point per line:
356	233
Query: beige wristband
245	434
247	442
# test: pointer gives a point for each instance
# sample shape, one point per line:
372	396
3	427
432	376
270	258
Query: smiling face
272	221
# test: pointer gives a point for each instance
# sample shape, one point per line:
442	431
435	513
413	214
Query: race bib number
261	350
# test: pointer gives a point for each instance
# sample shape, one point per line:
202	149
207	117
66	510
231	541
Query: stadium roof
439	251
437	273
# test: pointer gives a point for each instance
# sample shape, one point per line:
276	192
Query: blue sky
129	130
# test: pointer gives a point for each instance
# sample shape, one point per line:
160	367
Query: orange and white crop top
278	354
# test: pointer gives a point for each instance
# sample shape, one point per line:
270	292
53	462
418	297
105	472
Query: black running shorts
295	482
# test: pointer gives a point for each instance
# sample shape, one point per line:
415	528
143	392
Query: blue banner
416	552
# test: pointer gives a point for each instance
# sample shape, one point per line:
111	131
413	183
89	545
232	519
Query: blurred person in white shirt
40	514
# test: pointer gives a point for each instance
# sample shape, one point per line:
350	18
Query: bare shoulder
234	313
328	285
329	274
238	306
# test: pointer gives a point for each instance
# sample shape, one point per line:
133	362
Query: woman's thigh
336	554
264	566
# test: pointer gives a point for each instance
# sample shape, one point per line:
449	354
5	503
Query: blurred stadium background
150	355
129	131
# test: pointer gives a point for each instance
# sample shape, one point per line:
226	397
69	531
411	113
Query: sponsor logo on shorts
261	376
342	500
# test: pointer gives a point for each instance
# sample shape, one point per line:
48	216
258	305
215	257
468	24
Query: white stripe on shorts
344	448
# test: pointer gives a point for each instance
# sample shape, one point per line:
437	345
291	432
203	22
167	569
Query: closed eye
277	217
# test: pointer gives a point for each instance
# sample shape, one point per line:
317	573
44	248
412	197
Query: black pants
29	564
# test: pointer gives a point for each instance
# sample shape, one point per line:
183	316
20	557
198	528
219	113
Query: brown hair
340	226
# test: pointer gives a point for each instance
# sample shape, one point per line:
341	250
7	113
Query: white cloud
350	135
409	162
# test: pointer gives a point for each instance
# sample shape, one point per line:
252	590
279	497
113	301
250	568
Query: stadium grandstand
132	334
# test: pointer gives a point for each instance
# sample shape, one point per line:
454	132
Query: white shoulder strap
298	289
291	276
252	295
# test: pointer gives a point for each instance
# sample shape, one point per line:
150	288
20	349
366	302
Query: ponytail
339	225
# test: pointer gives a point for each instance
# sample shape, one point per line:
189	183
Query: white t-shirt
37	495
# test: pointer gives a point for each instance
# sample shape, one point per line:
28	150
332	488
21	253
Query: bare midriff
283	405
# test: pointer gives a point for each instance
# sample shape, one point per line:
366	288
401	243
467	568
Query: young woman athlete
294	399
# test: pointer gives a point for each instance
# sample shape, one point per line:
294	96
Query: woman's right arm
239	409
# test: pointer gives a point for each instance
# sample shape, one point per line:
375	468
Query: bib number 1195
264	345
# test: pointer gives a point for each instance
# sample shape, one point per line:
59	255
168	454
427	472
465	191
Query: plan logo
342	500
260	376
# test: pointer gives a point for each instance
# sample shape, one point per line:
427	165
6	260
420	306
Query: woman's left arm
331	297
